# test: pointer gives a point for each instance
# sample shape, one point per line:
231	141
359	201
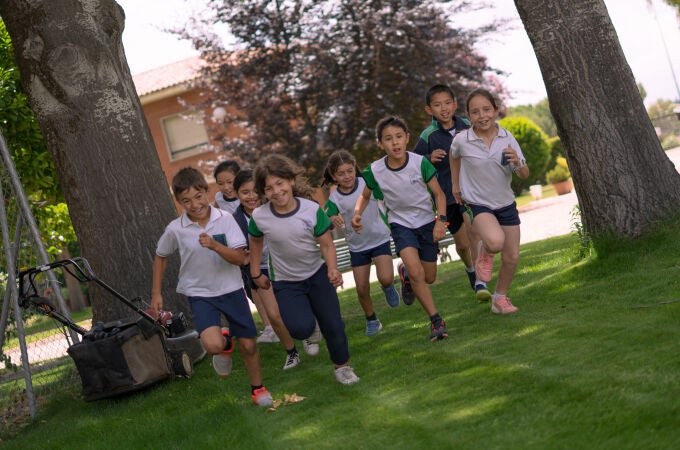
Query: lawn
591	360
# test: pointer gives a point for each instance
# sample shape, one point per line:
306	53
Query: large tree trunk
624	180
73	69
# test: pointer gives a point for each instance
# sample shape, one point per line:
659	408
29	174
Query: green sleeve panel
252	229
331	209
427	170
323	223
368	177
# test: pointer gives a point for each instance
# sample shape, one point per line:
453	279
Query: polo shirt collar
215	213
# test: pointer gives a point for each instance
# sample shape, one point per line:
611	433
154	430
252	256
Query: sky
641	35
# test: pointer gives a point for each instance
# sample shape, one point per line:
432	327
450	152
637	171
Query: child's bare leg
416	275
362	282
261	310
212	340
430	270
462	240
251	359
384	270
509	258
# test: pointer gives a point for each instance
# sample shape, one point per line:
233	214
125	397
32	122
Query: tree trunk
623	179
73	69
76	299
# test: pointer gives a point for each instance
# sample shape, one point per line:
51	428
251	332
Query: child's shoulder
434	126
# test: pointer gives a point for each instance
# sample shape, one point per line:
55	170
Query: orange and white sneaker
222	361
262	397
501	305
484	263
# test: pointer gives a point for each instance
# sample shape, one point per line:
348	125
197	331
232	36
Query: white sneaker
268	336
311	344
346	375
291	361
222	364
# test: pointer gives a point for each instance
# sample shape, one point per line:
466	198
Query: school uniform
227	204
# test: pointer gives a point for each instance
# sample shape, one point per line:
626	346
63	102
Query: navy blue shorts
420	238
207	311
506	216
454	215
363	258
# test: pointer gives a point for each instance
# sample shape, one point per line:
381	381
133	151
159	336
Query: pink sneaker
501	305
484	263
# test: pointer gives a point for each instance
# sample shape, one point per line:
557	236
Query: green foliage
558	173
665	120
584	244
670	142
539	113
534	145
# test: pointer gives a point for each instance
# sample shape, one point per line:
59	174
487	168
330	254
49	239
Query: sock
293	351
480	283
469	269
371	317
229	344
436	319
254	388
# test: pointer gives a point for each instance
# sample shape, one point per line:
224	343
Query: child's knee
363	292
247	346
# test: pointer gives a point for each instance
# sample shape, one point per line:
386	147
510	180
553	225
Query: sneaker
292	360
502	305
391	296
407	294
472	277
268	336
373	327
222	361
482	293
484	263
262	397
346	375
311	344
439	332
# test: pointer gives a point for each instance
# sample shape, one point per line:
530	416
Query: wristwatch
442	218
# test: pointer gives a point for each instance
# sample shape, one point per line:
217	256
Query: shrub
534	144
558	173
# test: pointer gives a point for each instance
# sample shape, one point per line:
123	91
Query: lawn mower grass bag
120	357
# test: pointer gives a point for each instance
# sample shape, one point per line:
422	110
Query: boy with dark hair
434	143
211	248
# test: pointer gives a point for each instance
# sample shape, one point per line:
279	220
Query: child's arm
519	166
330	257
159	265
440	202
454	164
236	256
362	203
256	246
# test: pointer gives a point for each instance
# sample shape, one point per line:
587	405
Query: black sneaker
438	332
472	276
407	294
482	293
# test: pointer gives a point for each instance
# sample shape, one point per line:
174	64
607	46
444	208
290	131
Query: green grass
526	198
40	327
580	366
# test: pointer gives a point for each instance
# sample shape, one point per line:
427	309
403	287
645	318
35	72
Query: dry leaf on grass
292	398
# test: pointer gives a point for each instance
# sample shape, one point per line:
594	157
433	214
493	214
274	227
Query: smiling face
345	176
248	197
279	191
225	181
196	203
482	113
393	141
442	107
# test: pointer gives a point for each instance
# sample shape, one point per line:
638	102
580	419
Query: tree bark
73	69
623	179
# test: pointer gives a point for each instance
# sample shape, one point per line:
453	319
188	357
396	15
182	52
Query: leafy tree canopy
539	113
310	77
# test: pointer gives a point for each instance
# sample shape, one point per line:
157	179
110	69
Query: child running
434	143
402	180
264	299
211	248
373	244
224	174
303	283
483	159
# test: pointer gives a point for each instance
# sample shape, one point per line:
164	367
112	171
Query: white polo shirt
404	190
291	237
227	205
483	180
374	231
203	272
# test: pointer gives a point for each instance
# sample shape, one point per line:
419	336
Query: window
185	135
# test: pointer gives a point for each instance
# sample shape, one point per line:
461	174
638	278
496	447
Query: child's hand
337	221
437	155
439	231
335	277
262	282
207	241
157	302
511	155
356	223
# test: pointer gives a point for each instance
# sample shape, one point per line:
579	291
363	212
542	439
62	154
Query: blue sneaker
407	294
391	295
373	327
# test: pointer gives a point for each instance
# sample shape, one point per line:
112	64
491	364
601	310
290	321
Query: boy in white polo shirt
211	248
404	181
